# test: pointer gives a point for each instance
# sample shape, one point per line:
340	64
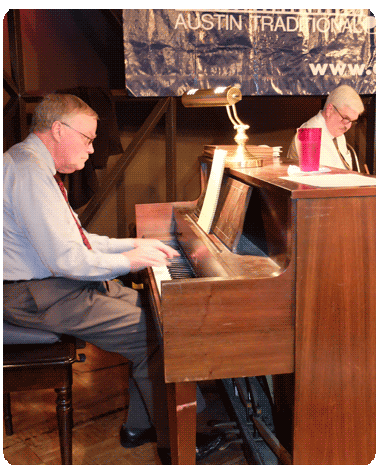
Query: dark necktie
63	190
344	161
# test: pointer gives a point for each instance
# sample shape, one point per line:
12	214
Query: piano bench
35	359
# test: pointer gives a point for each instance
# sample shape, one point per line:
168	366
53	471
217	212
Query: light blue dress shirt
41	238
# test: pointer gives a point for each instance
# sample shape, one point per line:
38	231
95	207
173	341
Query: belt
5	281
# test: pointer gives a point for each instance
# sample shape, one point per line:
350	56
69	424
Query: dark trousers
112	320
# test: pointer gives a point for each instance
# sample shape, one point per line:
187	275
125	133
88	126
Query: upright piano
283	284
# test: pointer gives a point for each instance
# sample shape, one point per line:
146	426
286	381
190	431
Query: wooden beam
171	160
116	173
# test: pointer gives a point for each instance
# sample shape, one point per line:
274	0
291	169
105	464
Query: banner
264	52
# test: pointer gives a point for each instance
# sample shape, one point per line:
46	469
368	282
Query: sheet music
334	180
206	216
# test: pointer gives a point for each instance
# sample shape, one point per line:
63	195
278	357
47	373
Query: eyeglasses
345	119
89	140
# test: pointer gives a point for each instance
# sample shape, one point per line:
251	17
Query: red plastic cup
309	148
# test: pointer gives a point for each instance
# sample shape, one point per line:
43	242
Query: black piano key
180	267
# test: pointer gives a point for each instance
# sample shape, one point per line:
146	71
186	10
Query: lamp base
242	158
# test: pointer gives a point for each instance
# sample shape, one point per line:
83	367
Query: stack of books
263	152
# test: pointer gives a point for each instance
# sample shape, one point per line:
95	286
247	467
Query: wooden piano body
303	301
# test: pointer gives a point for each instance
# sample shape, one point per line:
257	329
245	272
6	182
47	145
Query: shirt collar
325	130
35	143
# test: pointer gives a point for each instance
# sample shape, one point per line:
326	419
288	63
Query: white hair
58	107
345	96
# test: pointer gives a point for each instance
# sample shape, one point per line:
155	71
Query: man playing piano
58	277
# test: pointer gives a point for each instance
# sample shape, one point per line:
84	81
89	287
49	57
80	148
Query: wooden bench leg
65	423
7	414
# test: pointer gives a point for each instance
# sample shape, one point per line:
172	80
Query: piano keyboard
179	267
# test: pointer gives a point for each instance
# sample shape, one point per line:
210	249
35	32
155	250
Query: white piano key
179	268
161	273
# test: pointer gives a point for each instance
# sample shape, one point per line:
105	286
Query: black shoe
206	445
133	437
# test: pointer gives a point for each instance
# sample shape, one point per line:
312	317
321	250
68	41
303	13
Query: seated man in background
342	109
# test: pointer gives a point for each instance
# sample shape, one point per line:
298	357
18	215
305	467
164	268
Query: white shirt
40	236
329	155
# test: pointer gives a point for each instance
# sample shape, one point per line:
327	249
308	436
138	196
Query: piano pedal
230	442
225	427
221	424
230	431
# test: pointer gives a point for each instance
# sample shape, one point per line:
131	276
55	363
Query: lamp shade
220	96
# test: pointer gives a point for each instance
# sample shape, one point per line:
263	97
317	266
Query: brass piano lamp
225	96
